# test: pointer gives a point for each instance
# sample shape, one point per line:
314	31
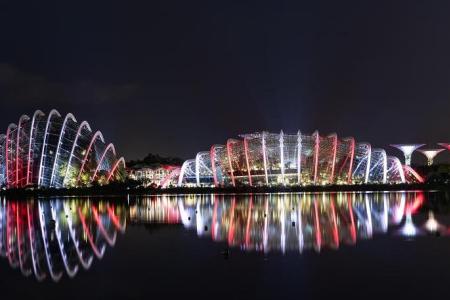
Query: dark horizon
173	78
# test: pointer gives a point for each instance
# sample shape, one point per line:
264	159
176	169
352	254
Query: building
156	176
271	159
56	152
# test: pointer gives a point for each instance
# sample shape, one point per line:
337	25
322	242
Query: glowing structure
54	152
267	159
407	150
51	238
430	154
445	145
281	222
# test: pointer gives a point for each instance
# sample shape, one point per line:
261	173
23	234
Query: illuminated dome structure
47	239
56	152
266	159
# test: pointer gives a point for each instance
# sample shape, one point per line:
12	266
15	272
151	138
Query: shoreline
114	190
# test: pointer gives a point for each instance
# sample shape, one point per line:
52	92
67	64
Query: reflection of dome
278	222
293	159
50	238
56	151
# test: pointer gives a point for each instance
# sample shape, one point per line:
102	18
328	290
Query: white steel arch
83	124
58	147
44	144
36	114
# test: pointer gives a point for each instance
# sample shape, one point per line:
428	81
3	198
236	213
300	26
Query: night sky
174	77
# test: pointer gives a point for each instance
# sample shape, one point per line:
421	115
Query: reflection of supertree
56	237
282	222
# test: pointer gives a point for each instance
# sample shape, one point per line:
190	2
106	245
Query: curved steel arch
69	164
116	165
109	147
30	146
44	144
175	172
23	118
58	147
229	162
97	134
414	173
333	164
11	127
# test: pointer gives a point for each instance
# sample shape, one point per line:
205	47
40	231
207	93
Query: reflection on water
52	237
284	222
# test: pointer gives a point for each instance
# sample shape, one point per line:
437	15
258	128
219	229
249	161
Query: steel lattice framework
265	159
55	152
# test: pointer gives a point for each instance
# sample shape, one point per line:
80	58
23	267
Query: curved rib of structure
445	145
407	150
430	154
56	152
266	159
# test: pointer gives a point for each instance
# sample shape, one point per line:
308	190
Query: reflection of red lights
412	208
32	229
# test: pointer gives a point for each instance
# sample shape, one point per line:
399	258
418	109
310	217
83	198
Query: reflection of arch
98	252
71	271
20	240
232	226
85	262
40	275
115	219
110	239
48	255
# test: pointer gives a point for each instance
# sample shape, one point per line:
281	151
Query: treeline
435	174
152	160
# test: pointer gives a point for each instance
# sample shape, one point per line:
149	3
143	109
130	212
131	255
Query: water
264	246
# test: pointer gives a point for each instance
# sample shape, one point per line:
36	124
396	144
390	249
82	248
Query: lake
222	246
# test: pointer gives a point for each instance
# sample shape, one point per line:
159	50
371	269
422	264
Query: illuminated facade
430	154
407	150
269	159
161	176
54	152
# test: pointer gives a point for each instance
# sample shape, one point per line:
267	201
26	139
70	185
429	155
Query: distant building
157	175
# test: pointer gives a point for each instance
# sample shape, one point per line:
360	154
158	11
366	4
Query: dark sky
174	77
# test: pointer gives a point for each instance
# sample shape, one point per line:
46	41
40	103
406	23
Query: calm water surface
261	246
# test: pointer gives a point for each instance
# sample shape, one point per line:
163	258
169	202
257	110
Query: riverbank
124	190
